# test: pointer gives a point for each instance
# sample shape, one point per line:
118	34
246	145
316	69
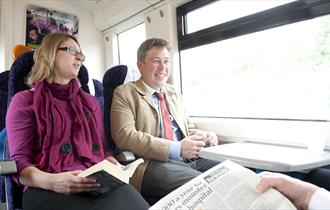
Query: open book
109	175
225	186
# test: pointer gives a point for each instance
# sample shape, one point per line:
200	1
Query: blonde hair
44	57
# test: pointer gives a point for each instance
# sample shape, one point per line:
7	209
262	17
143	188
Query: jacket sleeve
134	126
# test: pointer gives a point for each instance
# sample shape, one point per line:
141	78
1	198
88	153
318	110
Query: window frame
285	14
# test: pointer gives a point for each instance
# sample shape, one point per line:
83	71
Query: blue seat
84	78
16	82
112	78
10	192
98	87
3	136
3	97
18	72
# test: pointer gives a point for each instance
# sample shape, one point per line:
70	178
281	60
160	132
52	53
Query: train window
128	43
226	10
282	72
268	71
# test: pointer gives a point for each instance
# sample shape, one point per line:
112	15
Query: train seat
3	97
84	78
112	78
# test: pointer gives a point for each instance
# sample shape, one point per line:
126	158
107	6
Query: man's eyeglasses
73	51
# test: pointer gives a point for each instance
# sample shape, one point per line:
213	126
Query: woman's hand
70	183
64	182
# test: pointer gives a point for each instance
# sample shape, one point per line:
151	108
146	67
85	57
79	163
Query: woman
55	131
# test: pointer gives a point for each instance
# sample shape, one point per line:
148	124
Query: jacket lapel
141	89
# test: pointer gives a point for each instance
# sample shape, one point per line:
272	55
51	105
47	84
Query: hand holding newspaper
225	186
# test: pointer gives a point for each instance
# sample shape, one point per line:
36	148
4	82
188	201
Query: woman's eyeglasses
73	51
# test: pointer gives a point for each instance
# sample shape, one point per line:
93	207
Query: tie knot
160	95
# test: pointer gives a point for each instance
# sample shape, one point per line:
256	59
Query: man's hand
211	139
114	161
299	192
190	146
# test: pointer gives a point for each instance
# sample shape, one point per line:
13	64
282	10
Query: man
158	132
34	37
302	194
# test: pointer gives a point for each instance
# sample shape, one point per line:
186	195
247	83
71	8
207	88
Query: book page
103	165
122	174
225	186
130	168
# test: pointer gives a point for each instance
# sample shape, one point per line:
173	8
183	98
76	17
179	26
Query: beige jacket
134	123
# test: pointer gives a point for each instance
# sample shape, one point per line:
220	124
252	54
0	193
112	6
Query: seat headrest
19	70
83	75
84	78
115	76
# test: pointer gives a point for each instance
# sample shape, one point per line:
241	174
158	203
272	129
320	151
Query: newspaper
225	186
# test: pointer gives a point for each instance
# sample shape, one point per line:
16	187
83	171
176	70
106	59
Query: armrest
125	157
7	167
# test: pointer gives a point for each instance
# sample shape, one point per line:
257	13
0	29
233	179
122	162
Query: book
225	186
7	167
109	175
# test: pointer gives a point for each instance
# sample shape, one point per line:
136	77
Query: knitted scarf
55	129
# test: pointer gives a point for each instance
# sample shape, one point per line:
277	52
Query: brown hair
149	44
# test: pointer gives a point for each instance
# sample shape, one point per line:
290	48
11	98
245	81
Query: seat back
98	88
3	97
16	83
3	136
13	193
84	78
18	73
112	78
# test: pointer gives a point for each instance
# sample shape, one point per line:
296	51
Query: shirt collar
151	91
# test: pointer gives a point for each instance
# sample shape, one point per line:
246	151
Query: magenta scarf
56	131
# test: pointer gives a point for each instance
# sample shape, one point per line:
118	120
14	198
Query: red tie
166	116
